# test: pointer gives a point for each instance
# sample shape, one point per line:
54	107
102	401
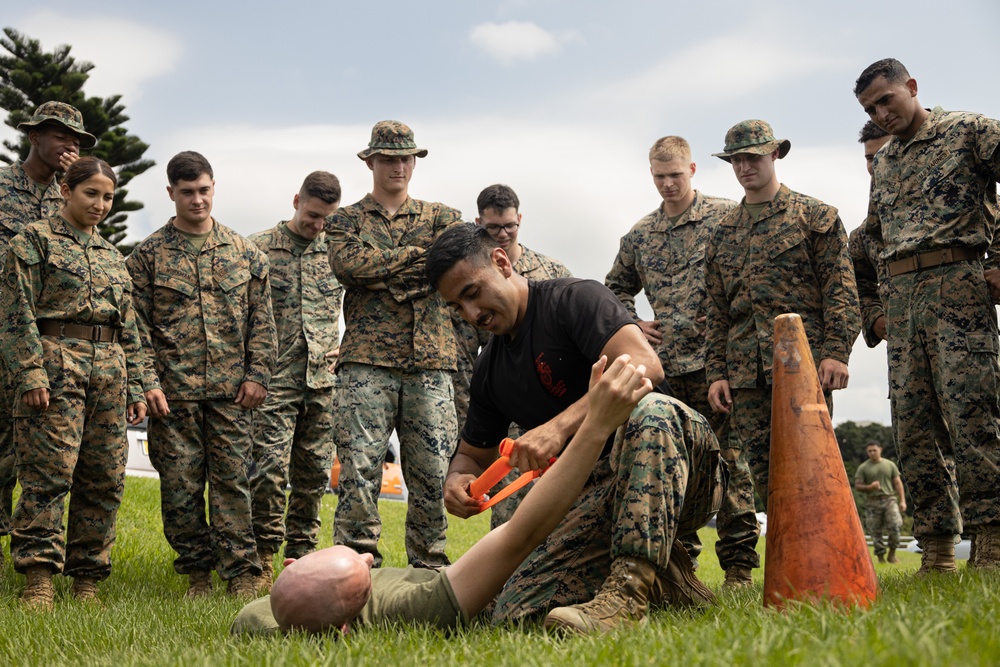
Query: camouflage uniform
77	445
667	261
293	429
869	271
21	203
662	478
394	367
793	259
882	506
205	319
936	192
533	266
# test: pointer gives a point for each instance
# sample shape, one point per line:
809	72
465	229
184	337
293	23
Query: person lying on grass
335	587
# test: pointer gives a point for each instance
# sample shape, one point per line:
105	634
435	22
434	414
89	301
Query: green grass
145	621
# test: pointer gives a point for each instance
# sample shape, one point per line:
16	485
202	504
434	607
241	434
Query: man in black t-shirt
612	557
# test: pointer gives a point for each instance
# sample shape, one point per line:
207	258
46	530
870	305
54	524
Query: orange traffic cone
815	544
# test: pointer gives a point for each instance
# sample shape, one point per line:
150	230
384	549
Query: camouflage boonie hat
755	137
390	137
64	114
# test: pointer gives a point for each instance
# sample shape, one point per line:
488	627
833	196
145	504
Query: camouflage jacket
50	274
204	317
869	271
792	260
938	190
533	266
405	324
305	297
21	203
667	260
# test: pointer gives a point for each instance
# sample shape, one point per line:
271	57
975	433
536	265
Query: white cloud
715	71
125	54
518	40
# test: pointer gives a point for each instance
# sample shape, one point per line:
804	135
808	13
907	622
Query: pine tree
30	76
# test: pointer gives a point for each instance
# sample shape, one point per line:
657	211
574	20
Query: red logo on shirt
545	374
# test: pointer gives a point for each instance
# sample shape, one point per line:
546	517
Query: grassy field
145	621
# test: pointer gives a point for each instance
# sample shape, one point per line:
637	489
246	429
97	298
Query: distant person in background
204	303
29	191
499	213
293	429
878	479
73	350
663	255
933	211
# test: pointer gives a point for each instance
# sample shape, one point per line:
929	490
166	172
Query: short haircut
466	241
873	442
85	168
321	185
670	148
499	197
870	132
890	68
188	166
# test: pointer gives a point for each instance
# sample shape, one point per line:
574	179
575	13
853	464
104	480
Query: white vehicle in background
138	462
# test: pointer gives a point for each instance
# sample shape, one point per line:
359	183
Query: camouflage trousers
199	443
420	406
737	521
292	442
943	378
750	430
882	518
662	478
76	446
8	472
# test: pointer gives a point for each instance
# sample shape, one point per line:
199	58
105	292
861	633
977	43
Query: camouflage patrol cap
390	137
755	137
63	114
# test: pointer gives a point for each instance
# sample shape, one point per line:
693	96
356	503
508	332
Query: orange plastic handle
492	475
516	485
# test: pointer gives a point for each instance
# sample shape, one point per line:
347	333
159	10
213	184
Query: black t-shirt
545	368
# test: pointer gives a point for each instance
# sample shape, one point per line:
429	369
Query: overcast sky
559	99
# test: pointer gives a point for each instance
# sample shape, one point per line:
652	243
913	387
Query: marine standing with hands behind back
29	191
77	364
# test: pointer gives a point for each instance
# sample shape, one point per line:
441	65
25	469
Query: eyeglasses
510	228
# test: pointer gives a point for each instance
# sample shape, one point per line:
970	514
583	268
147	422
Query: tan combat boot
679	585
38	593
85	589
266	577
892	557
737	578
987	547
622	600
938	555
242	586
199	584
